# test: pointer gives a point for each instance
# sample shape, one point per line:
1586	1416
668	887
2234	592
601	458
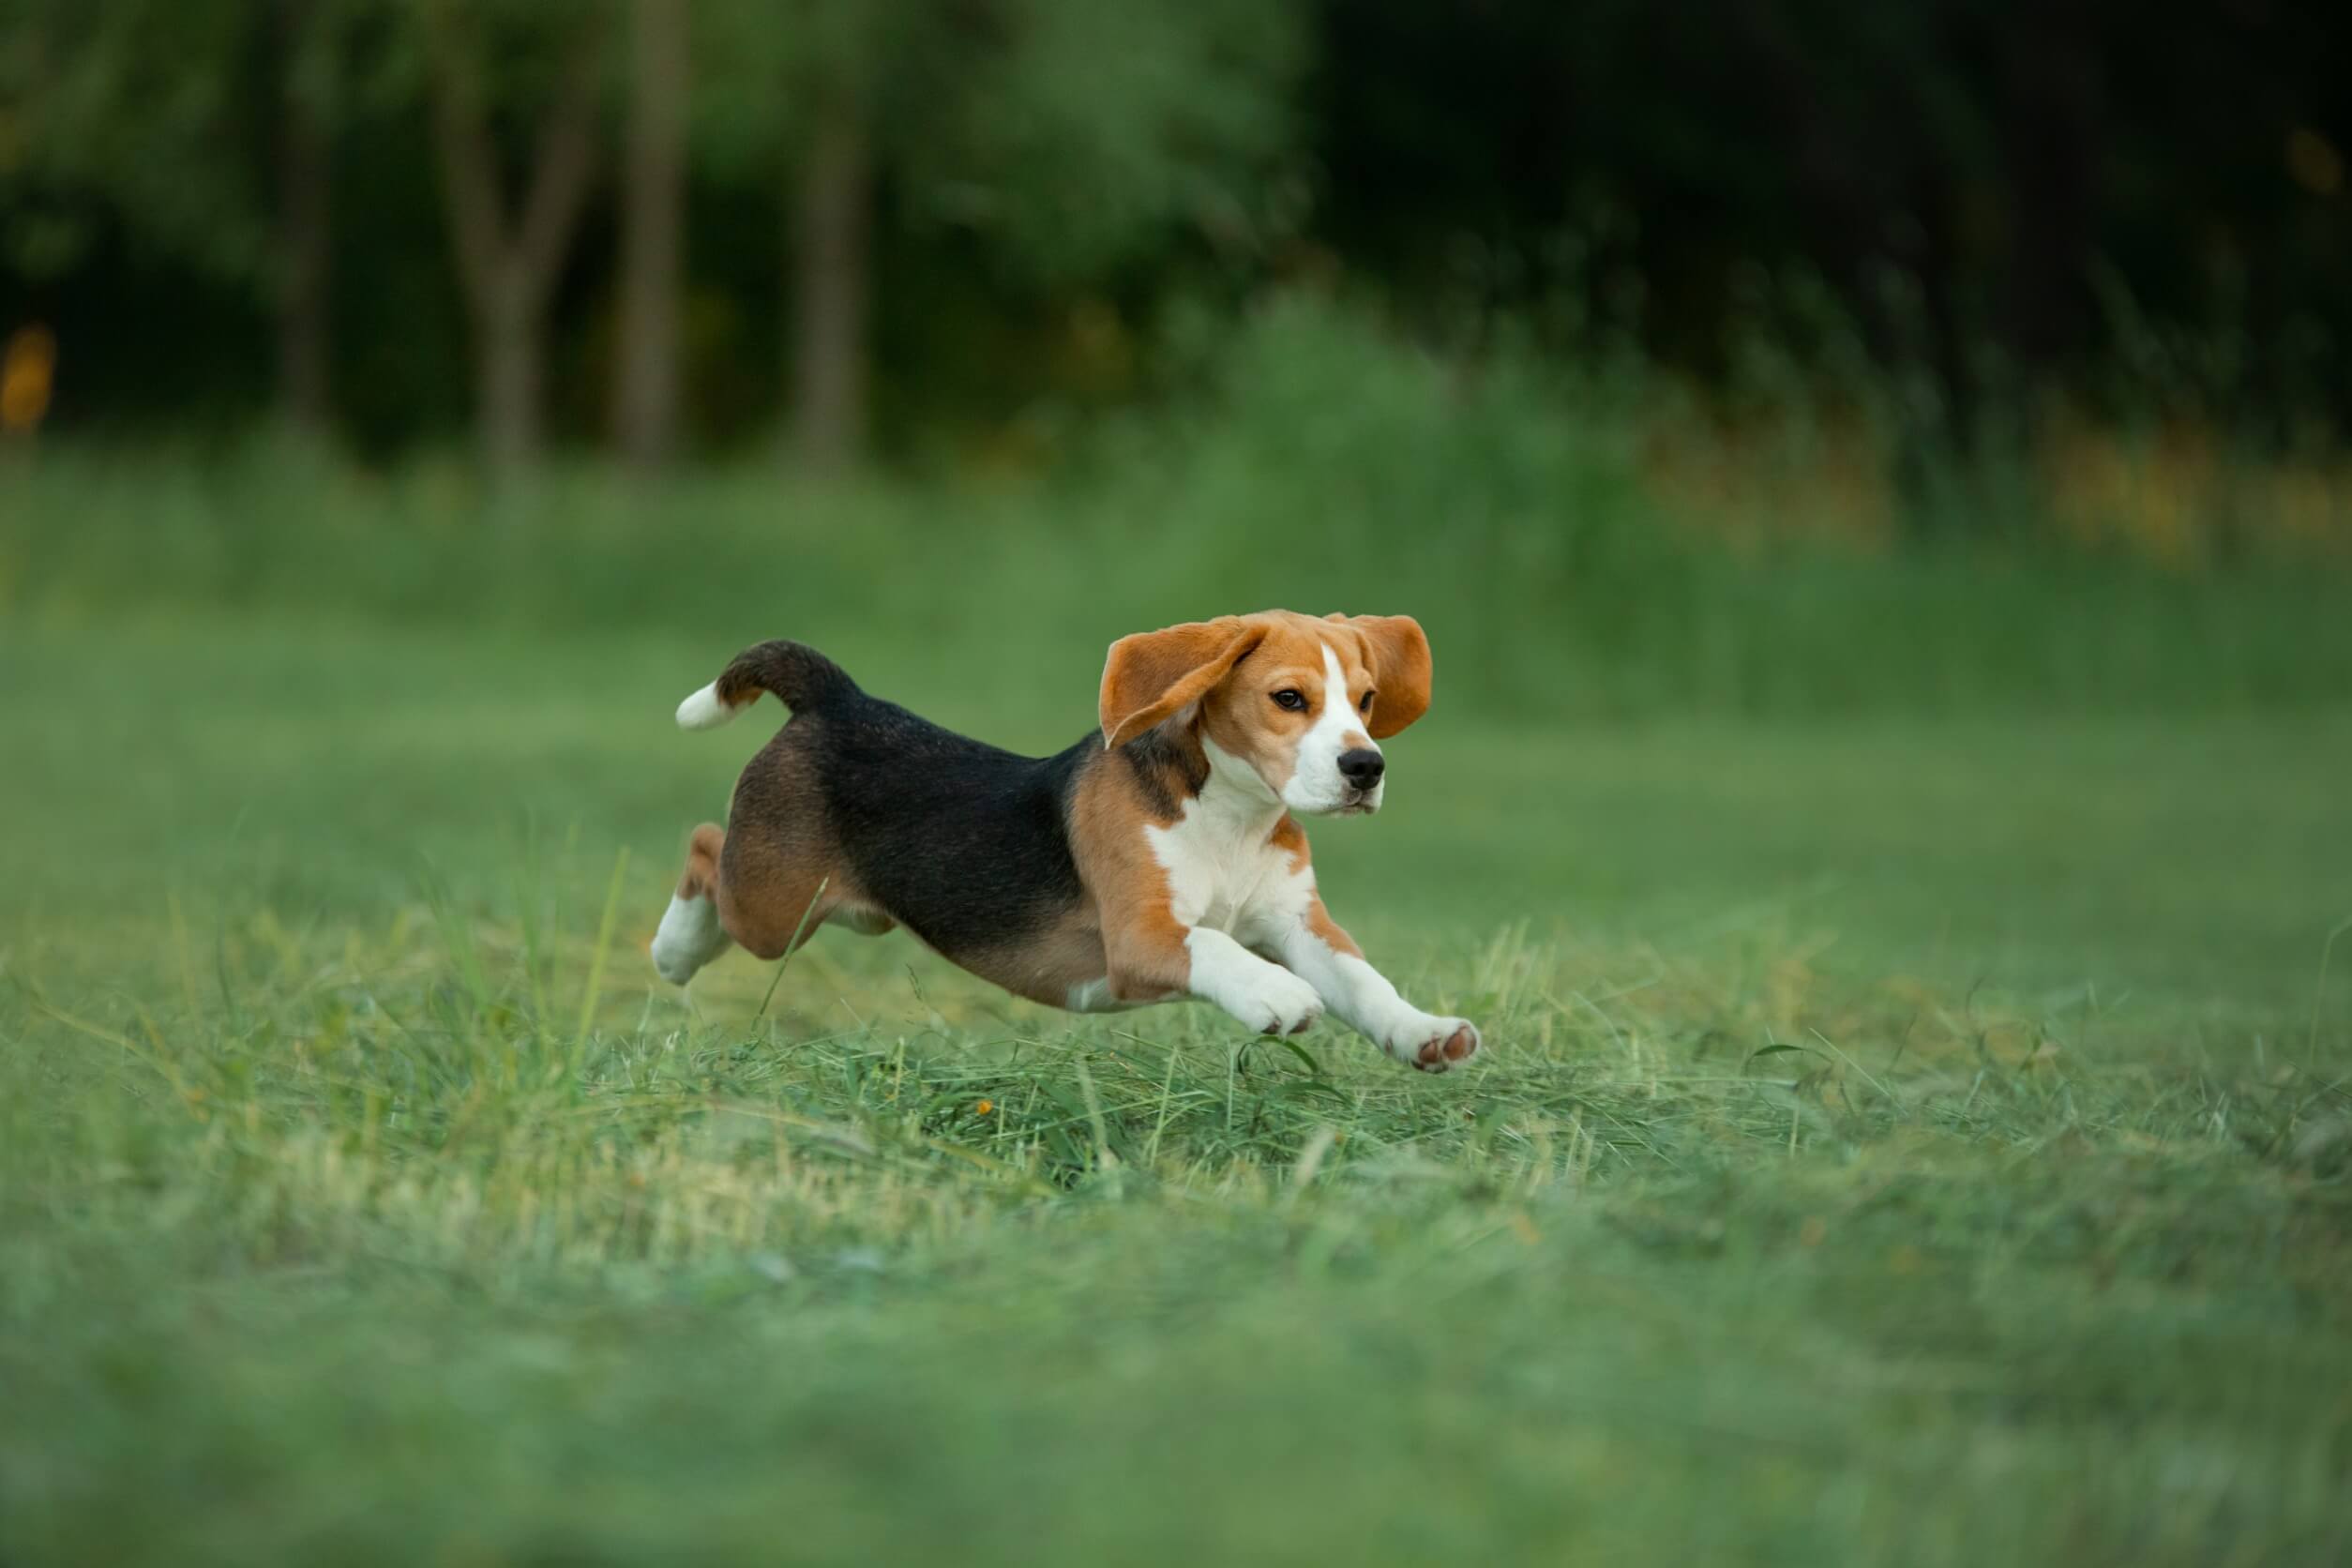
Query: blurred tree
831	218
138	116
1097	132
2141	208
512	60
1069	137
132	113
653	234
794	84
306	61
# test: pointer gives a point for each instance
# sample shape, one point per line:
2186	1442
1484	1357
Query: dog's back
964	844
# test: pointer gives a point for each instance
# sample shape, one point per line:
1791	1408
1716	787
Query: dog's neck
1234	801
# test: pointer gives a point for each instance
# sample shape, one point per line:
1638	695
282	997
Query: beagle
1156	859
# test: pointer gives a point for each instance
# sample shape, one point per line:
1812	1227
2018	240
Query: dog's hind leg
777	883
780	874
690	934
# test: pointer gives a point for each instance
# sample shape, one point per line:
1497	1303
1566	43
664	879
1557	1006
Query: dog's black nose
1362	767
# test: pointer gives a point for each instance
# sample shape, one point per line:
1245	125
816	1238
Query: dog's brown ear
1400	671
1152	675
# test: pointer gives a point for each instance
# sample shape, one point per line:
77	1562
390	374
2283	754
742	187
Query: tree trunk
508	364
305	232
508	264
652	218
832	259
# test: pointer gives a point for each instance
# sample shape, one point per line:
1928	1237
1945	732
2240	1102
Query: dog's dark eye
1290	698
1364	703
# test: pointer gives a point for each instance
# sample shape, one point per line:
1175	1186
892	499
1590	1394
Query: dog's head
1296	701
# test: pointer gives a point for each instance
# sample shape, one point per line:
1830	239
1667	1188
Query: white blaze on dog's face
1299	703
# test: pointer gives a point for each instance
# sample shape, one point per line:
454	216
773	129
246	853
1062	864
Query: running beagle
1156	859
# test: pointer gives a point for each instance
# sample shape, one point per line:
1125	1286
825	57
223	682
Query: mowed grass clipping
1899	1141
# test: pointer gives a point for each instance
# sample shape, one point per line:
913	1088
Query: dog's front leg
1201	962
1326	957
1267	997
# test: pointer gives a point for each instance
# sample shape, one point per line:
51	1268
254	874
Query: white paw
1433	1044
1279	1003
690	936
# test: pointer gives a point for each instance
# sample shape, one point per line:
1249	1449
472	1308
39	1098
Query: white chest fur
1224	870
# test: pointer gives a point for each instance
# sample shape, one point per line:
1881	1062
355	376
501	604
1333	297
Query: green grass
1902	1139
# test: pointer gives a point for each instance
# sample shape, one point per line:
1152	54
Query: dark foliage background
1988	204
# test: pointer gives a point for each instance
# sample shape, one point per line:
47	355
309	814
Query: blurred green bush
1315	462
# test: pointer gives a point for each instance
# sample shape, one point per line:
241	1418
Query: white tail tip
704	711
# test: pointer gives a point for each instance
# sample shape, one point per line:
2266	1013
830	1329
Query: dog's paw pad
1291	1008
1440	1052
1292	1021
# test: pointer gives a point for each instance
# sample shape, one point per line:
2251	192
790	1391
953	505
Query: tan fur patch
1290	838
702	868
779	870
1142	944
1318	920
1151	676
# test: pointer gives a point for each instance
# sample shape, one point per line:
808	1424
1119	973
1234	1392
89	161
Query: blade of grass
595	961
790	948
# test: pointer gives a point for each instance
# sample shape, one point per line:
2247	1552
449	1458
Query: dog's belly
1056	966
1094	996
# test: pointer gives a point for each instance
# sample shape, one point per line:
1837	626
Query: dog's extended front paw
1434	1044
1280	1003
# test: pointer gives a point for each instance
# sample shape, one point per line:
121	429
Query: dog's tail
800	675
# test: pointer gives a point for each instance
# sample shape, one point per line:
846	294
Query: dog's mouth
1345	800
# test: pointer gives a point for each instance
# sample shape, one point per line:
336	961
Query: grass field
1918	1139
1915	1122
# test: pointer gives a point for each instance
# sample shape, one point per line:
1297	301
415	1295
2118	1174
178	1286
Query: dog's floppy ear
1400	671
1155	674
